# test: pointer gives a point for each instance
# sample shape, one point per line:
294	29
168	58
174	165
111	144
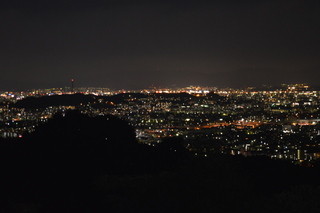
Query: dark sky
138	44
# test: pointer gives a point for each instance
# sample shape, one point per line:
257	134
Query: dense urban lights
279	123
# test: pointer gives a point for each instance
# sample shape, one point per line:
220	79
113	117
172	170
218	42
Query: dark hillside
77	163
55	100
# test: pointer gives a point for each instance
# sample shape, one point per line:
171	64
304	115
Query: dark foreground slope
77	163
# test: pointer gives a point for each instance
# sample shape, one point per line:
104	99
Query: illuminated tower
72	85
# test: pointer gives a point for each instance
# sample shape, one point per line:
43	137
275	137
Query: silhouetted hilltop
104	144
215	97
73	128
54	100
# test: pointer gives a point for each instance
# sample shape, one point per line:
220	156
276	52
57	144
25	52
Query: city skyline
73	83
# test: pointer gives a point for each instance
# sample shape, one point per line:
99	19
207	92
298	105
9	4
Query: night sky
138	44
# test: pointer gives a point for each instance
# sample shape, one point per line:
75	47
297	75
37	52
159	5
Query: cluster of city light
239	118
